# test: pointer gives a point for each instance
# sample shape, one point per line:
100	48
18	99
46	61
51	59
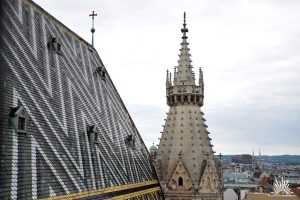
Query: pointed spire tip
184	29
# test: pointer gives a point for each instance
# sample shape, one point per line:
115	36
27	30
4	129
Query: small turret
200	77
167	79
201	81
175	75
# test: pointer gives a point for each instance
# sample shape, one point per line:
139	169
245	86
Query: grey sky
249	51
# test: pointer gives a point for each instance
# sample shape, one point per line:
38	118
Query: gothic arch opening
180	181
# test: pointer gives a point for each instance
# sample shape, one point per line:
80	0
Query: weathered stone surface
185	161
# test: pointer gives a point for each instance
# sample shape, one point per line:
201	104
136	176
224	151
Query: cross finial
93	29
93	14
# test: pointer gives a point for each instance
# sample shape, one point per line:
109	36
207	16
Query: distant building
256	164
153	154
153	150
281	191
266	196
238	169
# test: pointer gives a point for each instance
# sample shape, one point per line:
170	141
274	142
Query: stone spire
185	161
183	90
184	75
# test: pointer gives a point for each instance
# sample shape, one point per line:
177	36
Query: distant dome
153	149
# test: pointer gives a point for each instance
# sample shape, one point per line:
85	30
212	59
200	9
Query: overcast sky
249	51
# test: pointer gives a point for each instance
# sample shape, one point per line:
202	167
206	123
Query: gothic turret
183	90
185	161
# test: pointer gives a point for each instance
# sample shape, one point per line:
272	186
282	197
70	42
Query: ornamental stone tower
185	161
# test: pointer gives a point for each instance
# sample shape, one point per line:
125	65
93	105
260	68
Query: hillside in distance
284	159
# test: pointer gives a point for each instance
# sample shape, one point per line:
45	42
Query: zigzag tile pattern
63	94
